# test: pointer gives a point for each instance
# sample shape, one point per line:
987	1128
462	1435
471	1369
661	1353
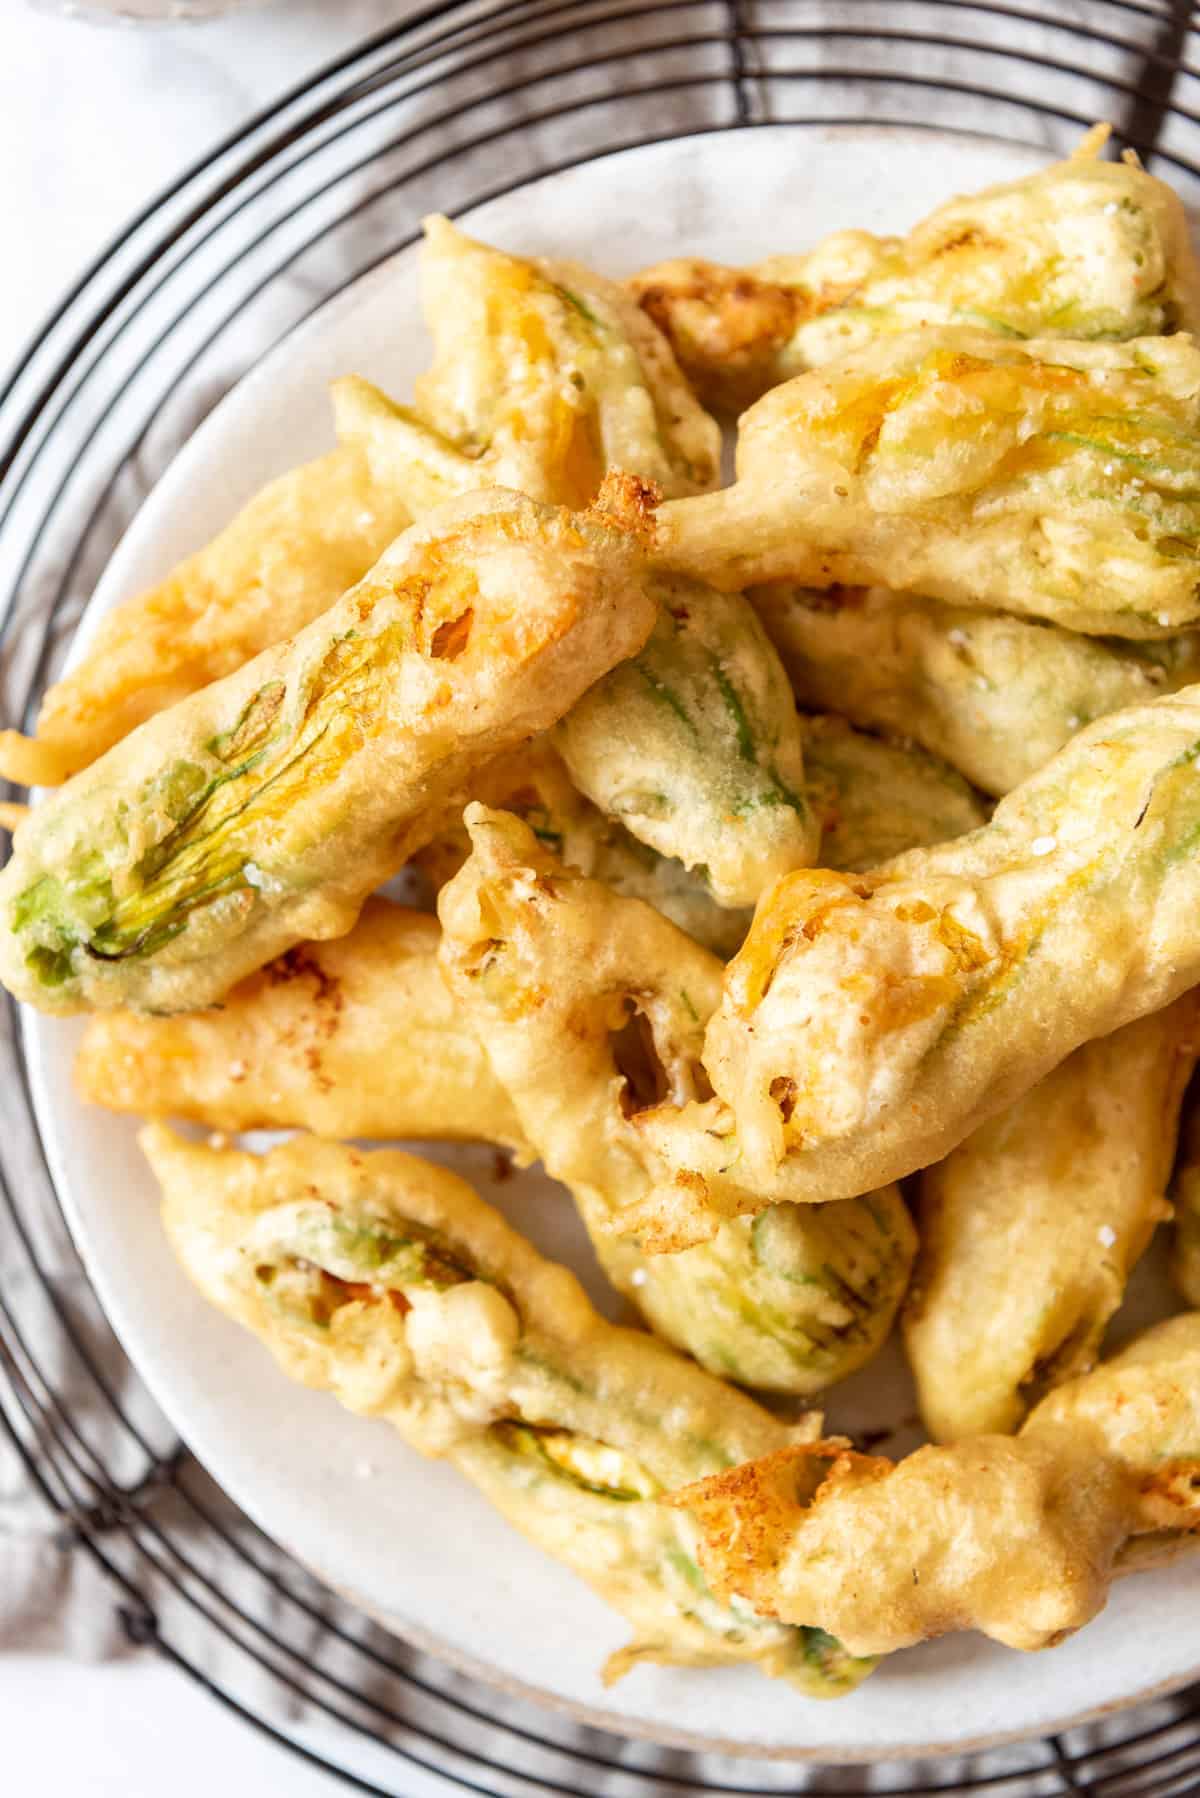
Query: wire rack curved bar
279	217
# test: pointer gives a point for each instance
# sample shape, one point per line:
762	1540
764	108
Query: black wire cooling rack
457	104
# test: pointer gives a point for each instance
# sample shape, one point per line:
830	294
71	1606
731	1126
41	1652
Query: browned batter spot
628	503
301	964
452	637
312	1061
970	238
783	1090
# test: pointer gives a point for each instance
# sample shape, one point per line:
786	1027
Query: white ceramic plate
403	1537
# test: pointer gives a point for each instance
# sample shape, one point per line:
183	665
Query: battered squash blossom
1051	478
1083	249
1020	1537
995	695
870	1022
592	1007
875	797
357	1037
265	808
1031	1228
695	745
387	1281
544	374
286	556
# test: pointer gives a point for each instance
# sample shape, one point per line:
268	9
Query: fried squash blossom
266	807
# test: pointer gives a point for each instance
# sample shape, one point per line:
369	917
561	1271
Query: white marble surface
132	1729
93	121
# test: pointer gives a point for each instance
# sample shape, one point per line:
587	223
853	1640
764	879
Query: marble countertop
94	120
132	1728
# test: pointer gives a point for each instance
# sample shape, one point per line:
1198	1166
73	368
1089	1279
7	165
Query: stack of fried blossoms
731	969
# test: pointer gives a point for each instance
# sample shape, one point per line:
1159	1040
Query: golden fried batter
592	1007
875	798
696	747
387	1281
995	695
1020	1538
738	331
357	1037
265	808
1083	249
544	377
869	1023
1051	478
283	560
1030	1229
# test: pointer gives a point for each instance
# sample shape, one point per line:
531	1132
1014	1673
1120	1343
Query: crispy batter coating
995	695
544	376
592	1007
1051	478
387	1281
875	798
1083	249
1020	1538
869	1023
696	747
1185	1249
1031	1228
736	332
283	560
534	784
357	1037
264	809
